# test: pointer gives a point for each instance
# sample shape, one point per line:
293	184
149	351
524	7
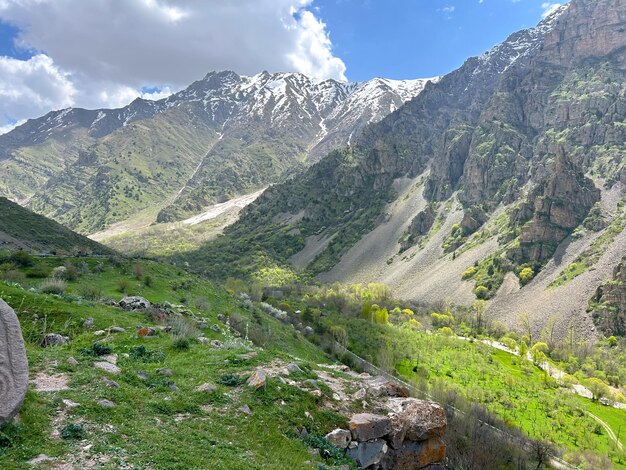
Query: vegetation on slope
23	229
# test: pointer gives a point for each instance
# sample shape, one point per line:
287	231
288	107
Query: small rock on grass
258	379
106	403
72	362
245	409
165	371
116	329
88	323
69	404
107	367
143	375
110	383
54	339
207	387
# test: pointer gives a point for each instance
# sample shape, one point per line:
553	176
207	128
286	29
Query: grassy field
516	391
158	421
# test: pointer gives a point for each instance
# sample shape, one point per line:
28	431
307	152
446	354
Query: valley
285	270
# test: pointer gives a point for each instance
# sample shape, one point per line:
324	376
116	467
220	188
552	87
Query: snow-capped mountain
213	132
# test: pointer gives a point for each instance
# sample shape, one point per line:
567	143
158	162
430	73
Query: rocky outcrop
558	206
609	304
409	437
13	364
420	226
134	303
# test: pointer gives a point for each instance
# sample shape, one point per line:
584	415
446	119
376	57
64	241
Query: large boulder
415	420
13	364
367	426
381	386
369	453
415	455
134	303
339	437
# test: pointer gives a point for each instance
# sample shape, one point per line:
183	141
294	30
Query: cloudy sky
104	53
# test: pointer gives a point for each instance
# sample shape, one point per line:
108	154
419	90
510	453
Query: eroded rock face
558	207
408	438
134	303
609	304
13	364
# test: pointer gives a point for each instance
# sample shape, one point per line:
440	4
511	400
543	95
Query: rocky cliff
608	305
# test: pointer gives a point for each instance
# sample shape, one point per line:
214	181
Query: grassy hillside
157	421
23	229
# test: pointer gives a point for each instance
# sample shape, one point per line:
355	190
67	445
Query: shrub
90	292
138	271
147	281
22	259
526	275
231	380
181	344
123	286
53	286
38	272
469	273
13	275
481	292
446	331
96	349
73	431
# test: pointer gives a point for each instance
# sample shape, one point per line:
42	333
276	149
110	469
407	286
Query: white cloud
32	87
105	51
9	127
549	8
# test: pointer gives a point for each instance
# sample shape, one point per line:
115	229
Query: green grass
152	425
519	394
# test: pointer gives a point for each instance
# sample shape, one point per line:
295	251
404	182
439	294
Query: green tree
526	275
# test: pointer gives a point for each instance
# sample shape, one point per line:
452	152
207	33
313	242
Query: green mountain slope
509	154
21	229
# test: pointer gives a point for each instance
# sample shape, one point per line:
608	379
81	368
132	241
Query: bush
231	380
90	292
181	344
469	273
13	275
446	331
481	292
22	259
123	286
73	431
526	275
53	286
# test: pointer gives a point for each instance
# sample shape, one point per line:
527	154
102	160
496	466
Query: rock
221	318
41	458
368	453
217	344
294	369
145	331
134	303
54	339
69	404
359	394
245	409
415	420
99	333
110	383
216	328
143	375
116	329
308	331
258	379
88	323
112	358
367	426
380	386
106	403
416	455
339	437
107	367
71	361
202	325
303	433
247	356
165	371
312	383
174	388
203	340
316	393
207	387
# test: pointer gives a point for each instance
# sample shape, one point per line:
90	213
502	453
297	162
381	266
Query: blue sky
105	53
420	38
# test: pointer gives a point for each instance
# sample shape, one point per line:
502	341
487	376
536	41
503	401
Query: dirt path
609	431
